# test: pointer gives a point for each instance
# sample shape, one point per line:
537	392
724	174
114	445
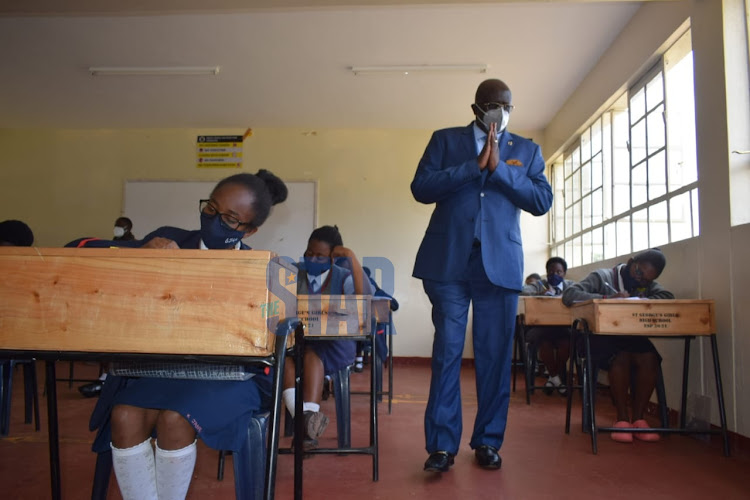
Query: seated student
627	358
532	278
123	229
177	411
319	275
553	342
381	344
14	233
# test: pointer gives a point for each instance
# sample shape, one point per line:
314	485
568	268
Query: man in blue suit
479	177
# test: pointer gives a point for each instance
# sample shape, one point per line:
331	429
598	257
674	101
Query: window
629	181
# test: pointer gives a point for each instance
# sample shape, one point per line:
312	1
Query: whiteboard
153	204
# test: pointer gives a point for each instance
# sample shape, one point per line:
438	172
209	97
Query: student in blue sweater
178	411
328	268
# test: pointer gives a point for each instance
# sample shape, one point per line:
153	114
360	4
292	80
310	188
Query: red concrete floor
539	460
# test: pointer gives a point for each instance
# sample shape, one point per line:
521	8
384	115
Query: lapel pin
510	143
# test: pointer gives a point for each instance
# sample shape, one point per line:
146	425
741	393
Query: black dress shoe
439	461
91	390
487	457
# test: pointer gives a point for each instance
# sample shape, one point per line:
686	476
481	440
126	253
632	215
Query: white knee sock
288	397
174	470
135	471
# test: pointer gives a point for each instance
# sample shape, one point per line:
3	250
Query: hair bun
275	185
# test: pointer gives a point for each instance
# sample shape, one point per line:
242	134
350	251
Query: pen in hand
611	287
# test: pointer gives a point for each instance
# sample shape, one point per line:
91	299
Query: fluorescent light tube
420	68
153	70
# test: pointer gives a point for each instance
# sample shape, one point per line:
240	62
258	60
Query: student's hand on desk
619	295
159	242
489	157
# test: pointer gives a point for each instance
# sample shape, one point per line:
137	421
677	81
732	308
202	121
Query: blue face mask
216	235
315	266
554	279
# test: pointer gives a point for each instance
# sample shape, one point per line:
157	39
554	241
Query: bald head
493	90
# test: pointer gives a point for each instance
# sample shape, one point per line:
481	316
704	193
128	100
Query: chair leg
220	471
288	422
29	388
6	381
661	396
102	472
530	369
343	407
250	461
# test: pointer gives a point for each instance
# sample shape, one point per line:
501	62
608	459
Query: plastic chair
31	395
342	398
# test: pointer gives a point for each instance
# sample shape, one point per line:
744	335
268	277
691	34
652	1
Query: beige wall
712	265
69	183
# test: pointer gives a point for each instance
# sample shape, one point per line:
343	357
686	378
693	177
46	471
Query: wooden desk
538	310
113	304
677	318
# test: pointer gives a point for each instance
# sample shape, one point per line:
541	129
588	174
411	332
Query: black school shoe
439	461
91	390
487	457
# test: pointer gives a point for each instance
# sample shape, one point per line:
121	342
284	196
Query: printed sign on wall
219	151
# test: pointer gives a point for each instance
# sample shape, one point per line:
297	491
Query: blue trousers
494	315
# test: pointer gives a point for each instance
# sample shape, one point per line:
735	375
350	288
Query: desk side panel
136	302
335	315
647	317
544	311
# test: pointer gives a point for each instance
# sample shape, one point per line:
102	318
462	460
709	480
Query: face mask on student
119	232
554	279
499	116
633	287
216	235
315	266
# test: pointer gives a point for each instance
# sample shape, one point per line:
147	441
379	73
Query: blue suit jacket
448	175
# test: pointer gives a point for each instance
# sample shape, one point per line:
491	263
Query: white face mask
119	232
499	116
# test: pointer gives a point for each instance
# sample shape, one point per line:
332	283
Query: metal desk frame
299	420
581	327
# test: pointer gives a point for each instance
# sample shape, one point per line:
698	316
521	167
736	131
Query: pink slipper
645	436
622	437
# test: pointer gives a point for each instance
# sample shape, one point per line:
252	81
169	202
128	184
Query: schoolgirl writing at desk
627	359
177	411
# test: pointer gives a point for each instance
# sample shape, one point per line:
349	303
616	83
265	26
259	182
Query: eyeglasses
487	106
227	220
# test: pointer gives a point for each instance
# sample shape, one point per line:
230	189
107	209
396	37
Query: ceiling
285	63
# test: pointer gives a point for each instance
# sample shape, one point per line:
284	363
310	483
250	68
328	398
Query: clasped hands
489	157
